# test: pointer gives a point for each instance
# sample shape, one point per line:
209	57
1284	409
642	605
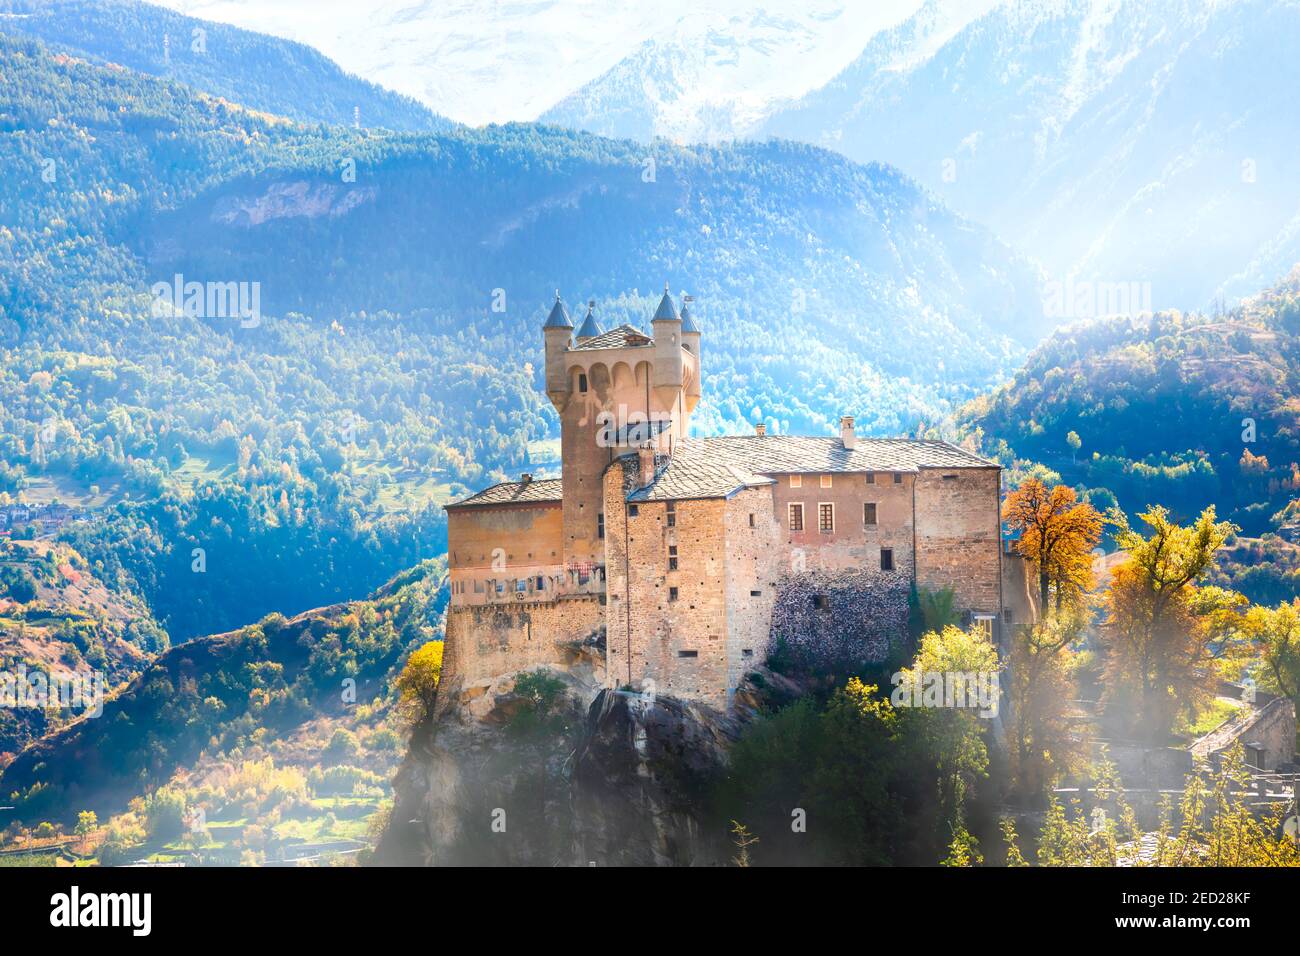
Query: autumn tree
1162	633
1057	535
1274	635
417	685
1041	745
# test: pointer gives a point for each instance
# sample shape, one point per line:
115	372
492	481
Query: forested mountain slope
1183	410
257	71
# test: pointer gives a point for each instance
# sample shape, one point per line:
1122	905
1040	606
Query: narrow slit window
688	653
600	525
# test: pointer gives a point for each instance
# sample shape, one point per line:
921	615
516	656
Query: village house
691	556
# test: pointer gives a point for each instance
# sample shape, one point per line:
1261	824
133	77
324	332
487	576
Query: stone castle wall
959	537
655	642
483	643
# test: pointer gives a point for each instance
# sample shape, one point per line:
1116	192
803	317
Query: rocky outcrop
641	774
616	779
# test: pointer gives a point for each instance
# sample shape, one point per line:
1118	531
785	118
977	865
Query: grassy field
43	489
203	467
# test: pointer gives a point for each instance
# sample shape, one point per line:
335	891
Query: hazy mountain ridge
1121	142
259	72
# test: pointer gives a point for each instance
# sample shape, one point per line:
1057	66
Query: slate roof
718	467
514	493
621	337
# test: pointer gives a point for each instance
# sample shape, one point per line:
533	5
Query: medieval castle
681	562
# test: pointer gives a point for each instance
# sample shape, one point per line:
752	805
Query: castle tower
614	391
691	336
556	333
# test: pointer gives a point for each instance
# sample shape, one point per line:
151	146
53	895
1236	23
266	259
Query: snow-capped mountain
1143	150
481	61
1149	146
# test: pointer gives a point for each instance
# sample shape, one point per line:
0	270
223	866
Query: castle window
541	583
631	511
796	481
672	594
1008	616
826	517
886	559
751	519
672	514
500	586
521	584
898	477
821	602
688	653
747	652
600	525
672	557
826	481
755	593
796	516
869	512
871	477
582	382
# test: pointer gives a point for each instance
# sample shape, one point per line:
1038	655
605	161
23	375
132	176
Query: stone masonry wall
753	567
655	643
958	536
484	642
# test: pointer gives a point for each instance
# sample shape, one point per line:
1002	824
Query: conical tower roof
688	321
559	318
590	327
666	308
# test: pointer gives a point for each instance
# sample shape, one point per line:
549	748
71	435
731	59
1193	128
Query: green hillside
1184	410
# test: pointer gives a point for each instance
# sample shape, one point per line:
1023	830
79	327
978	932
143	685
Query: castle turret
590	328
556	332
691	335
668	366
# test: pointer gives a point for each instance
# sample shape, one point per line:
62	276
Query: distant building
691	556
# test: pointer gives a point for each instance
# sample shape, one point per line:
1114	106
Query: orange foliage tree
1057	534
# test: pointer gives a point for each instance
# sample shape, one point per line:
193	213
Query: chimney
847	438
646	460
526	477
760	429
